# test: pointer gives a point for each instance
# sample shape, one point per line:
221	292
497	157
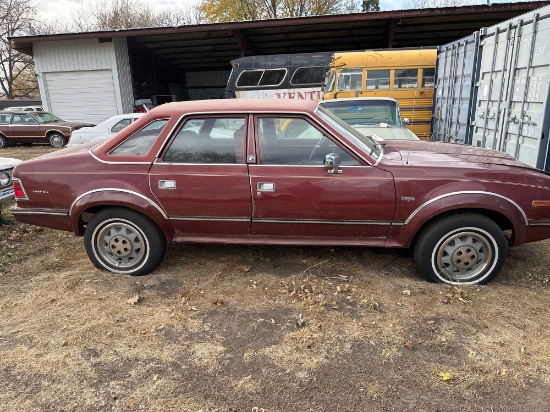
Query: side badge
407	198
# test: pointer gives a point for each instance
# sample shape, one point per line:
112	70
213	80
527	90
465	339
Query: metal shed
91	76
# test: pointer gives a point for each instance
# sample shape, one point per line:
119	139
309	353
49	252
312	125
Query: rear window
140	142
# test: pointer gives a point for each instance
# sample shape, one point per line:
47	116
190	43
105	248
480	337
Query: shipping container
455	90
507	108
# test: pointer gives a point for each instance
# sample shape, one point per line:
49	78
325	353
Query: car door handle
167	184
265	187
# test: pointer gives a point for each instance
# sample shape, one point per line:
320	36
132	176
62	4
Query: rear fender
108	197
402	234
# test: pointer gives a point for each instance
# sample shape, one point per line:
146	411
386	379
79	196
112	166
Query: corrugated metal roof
212	46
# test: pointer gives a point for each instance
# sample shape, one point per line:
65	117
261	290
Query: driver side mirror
332	163
406	120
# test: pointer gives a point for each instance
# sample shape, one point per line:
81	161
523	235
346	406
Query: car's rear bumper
54	219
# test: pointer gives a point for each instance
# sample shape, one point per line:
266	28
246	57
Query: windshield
46	118
365	143
382	113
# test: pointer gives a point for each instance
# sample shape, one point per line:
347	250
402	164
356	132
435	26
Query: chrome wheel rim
464	256
121	245
56	140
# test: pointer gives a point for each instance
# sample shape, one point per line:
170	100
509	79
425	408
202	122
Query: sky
54	9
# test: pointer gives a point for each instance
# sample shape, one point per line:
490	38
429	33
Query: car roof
235	105
357	99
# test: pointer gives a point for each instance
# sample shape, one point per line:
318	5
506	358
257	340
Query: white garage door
87	96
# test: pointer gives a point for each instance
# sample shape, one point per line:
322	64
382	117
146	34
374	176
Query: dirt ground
249	328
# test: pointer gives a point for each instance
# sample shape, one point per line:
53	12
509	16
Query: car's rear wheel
462	249
123	241
57	140
3	142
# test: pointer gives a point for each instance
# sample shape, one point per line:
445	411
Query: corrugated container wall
455	90
509	106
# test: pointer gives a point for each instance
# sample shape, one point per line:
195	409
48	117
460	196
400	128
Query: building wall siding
124	74
83	56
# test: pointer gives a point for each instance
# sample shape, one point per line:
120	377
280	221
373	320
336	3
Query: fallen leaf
406	292
217	301
134	299
193	308
445	376
408	344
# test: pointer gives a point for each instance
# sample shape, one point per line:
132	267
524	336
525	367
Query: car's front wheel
3	142
123	241
462	249
57	140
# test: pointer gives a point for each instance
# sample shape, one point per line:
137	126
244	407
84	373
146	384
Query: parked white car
23	109
104	130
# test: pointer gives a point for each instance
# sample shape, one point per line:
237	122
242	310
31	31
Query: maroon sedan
287	173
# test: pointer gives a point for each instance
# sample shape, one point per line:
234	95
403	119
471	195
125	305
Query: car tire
3	142
462	249
57	140
124	241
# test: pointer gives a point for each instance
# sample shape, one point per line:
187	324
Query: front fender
403	233
123	198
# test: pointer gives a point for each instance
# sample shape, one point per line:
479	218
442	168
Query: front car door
201	178
294	195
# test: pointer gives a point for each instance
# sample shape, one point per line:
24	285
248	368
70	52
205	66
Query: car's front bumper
7	193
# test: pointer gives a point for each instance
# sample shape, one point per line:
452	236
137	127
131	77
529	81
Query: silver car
378	117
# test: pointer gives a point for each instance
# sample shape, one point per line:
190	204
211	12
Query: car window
120	125
46	118
23	119
364	112
208	141
295	141
140	142
5	118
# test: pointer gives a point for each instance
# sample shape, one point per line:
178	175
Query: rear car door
201	178
295	195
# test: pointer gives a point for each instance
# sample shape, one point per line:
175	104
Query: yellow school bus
407	75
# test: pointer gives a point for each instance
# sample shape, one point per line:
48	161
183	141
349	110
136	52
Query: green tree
370	5
215	11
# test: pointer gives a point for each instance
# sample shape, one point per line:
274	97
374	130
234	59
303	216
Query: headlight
4	179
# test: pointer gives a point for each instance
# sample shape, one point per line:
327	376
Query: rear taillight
18	190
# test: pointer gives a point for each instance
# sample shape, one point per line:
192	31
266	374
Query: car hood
74	125
8	161
422	153
388	133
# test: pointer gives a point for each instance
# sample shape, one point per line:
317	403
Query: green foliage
370	5
215	11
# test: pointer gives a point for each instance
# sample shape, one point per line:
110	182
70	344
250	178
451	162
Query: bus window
428	77
405	79
272	77
249	78
350	79
308	76
378	79
278	76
